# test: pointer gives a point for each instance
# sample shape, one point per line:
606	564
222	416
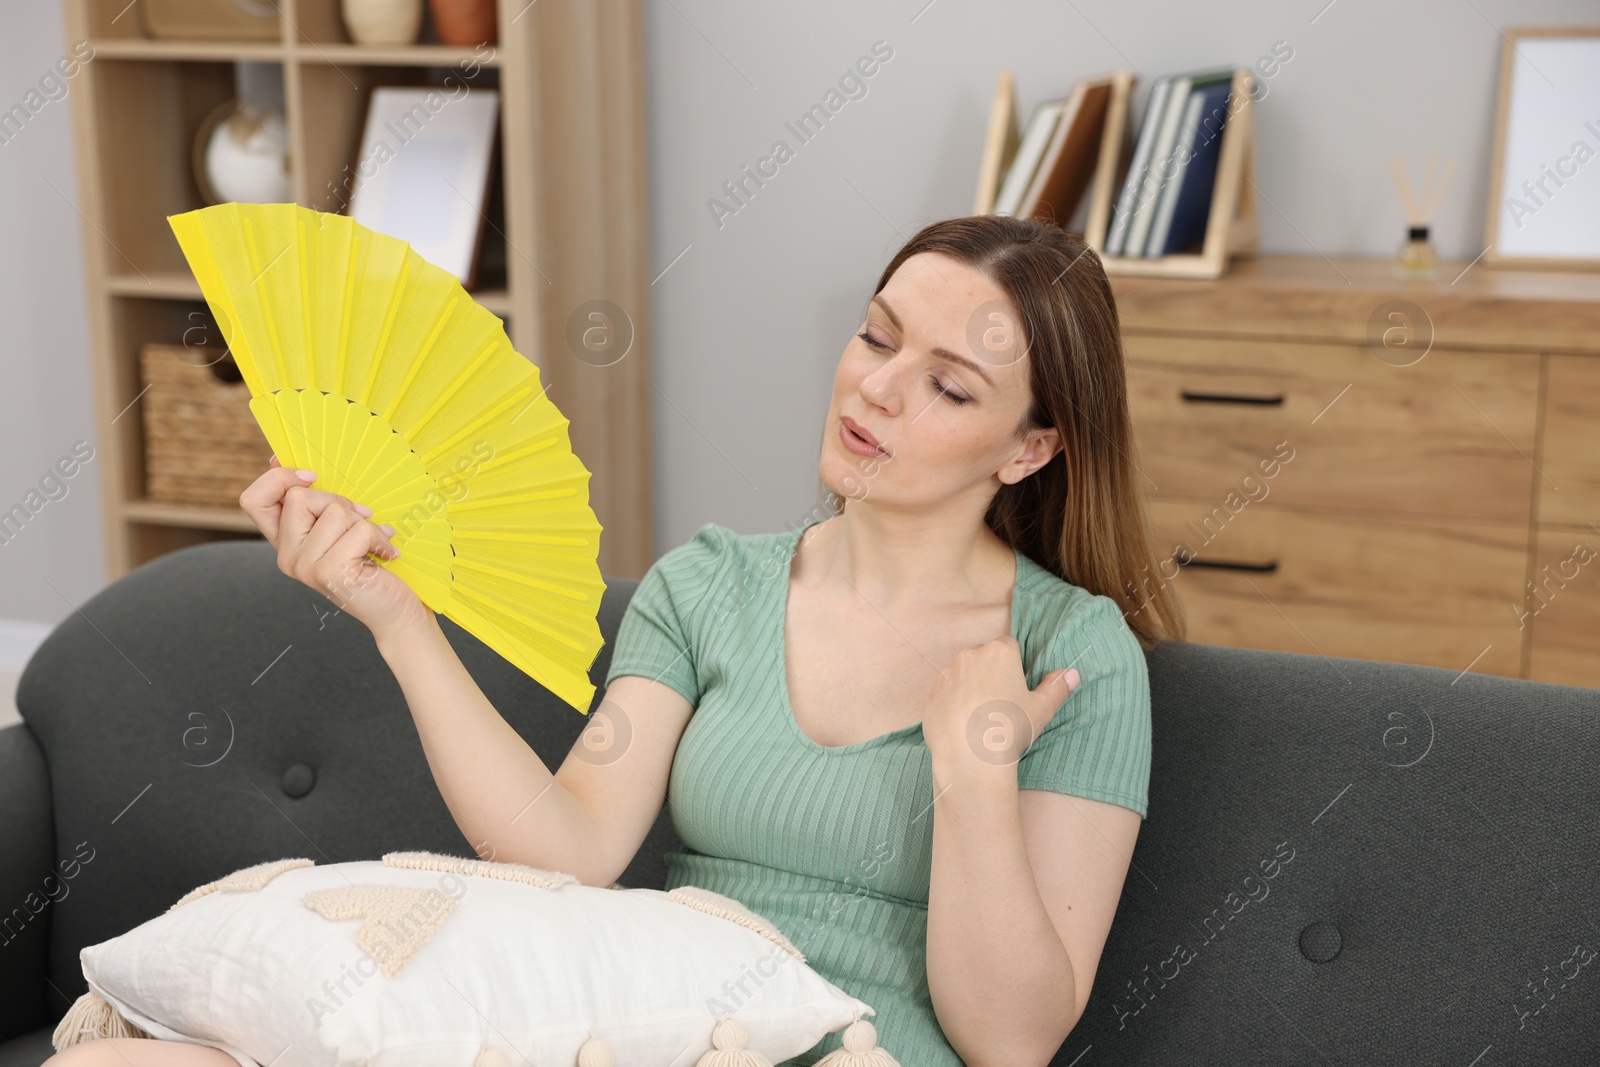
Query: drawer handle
1192	397
1228	565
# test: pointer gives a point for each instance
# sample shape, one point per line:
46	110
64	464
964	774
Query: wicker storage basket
201	444
210	20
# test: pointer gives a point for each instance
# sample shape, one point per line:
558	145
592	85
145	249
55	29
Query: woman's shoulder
716	573
1055	614
708	542
714	550
1098	742
713	539
1045	597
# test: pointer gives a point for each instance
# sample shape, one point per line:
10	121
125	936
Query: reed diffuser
1417	259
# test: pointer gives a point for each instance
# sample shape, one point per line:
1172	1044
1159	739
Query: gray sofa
1345	862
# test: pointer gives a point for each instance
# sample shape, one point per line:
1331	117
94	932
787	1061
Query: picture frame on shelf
1070	159
999	144
422	171
1044	170
1548	104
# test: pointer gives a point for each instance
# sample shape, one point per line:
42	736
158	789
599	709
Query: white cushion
454	957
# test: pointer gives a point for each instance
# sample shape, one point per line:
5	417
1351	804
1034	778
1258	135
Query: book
1166	133
1041	124
1184	223
1123	213
1161	208
1171	175
999	143
1161	157
1069	160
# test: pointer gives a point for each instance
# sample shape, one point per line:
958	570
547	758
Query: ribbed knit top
834	844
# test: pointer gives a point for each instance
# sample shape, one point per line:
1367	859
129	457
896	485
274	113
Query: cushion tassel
90	1018
728	1040
596	1052
860	1049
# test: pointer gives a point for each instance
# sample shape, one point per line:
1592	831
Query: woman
864	721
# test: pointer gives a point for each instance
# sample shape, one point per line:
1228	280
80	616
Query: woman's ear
1041	447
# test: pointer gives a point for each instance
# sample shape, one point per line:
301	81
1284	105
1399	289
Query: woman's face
939	377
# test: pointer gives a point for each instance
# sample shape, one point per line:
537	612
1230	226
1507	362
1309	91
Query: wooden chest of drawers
1342	464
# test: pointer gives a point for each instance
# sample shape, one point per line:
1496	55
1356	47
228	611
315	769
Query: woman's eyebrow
942	353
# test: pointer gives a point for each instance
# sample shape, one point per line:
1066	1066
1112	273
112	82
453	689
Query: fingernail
1072	679
388	531
309	476
363	511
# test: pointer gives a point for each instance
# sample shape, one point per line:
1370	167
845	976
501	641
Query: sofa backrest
207	712
1348	861
1344	861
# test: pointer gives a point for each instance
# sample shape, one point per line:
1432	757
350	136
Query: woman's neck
906	562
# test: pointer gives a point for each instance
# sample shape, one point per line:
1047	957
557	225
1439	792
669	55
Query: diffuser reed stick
1417	258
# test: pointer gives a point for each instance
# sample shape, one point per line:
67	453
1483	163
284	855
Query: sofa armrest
27	877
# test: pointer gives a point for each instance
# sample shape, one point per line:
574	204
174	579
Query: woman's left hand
980	711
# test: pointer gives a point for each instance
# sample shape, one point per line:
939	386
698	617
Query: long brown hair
1082	516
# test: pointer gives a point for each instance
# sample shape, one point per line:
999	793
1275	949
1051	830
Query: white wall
749	323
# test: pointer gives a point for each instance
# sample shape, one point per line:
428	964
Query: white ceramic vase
382	21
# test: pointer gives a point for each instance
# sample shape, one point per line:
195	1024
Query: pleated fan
377	370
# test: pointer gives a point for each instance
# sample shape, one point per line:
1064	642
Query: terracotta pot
382	21
464	22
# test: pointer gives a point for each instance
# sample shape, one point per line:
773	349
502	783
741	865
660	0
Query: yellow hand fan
377	370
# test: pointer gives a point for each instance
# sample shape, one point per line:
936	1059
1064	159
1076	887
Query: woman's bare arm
503	797
589	818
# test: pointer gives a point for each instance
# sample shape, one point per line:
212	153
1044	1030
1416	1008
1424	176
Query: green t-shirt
834	845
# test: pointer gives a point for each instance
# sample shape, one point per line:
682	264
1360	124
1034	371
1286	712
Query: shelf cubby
565	219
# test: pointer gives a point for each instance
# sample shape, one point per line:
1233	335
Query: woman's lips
859	445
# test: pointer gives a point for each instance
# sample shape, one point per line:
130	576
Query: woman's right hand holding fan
324	540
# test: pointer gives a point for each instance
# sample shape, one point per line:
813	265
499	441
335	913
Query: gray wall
750	321
46	397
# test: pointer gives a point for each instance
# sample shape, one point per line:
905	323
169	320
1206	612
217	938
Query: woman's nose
885	386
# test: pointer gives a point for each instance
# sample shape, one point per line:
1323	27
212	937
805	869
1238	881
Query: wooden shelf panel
417	55
143	119
155	284
188	51
203	518
181	285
